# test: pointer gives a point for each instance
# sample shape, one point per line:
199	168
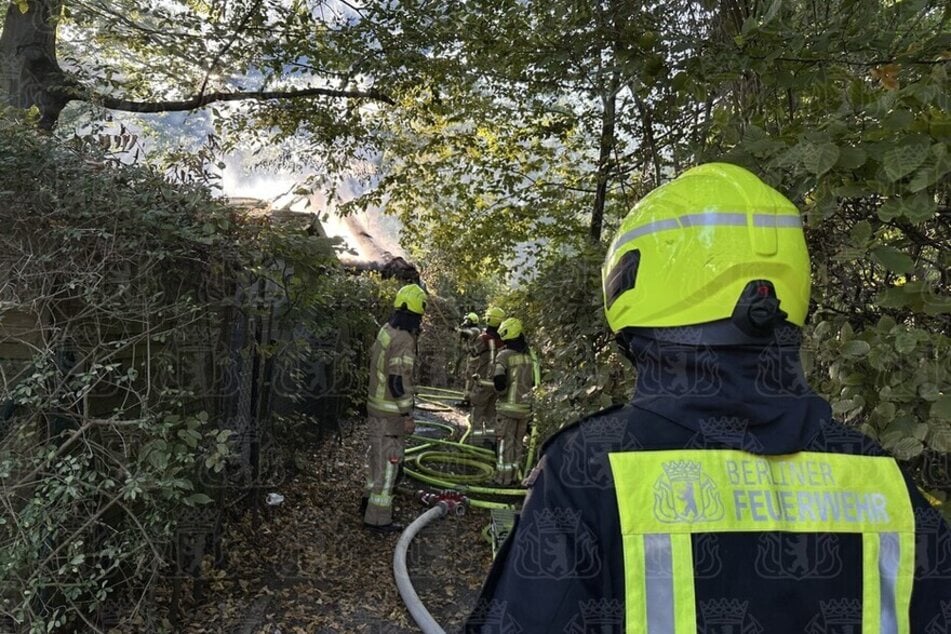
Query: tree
173	56
517	132
846	106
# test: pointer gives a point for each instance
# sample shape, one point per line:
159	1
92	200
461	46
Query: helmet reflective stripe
714	218
769	220
728	219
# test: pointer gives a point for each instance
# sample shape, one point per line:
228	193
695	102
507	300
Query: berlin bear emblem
684	493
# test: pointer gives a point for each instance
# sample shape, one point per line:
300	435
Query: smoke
370	236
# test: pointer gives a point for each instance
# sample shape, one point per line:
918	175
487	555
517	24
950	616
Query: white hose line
420	614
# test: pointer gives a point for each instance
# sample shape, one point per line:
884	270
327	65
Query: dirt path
313	568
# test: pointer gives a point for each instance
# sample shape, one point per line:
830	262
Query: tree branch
234	37
200	101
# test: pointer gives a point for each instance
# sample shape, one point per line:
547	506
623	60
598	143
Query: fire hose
444	503
422	462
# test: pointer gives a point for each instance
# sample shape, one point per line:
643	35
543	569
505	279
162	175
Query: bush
136	318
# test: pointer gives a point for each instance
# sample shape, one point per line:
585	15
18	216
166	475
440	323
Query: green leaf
929	392
906	342
841	407
898	120
820	158
885	411
856	348
851	158
197	498
23	6
941	408
773	11
939	437
861	233
904	159
921	207
924	178
893	259
894	297
906	448
937	305
917	208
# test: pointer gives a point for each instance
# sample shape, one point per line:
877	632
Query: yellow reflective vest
520	370
670	496
393	353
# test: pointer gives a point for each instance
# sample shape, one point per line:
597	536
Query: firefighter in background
724	495
390	404
469	332
516	374
482	362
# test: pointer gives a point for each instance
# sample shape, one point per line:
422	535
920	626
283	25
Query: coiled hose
428	460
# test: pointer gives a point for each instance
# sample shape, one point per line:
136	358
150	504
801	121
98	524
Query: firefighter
469	332
482	363
516	374
724	495
390	404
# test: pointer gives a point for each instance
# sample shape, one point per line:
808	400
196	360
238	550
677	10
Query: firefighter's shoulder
613	416
400	337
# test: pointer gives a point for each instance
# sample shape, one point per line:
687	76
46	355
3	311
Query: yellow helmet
699	248
510	329
471	318
412	298
494	316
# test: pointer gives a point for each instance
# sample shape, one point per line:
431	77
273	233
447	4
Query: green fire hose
436	460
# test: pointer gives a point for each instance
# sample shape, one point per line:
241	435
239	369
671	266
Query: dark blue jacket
562	568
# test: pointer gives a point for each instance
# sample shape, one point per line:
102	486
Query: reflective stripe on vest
510	404
664	497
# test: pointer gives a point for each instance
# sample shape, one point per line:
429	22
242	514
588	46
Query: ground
313	568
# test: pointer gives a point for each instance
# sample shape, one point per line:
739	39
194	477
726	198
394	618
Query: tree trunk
30	74
606	143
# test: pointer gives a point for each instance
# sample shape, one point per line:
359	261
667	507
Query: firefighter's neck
746	372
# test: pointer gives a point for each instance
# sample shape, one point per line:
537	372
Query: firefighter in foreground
724	495
469	332
516	374
482	362
390	404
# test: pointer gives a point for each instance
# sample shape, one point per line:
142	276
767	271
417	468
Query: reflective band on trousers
714	219
384	499
666	497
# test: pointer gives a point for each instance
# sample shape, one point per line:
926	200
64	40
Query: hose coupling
452	502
